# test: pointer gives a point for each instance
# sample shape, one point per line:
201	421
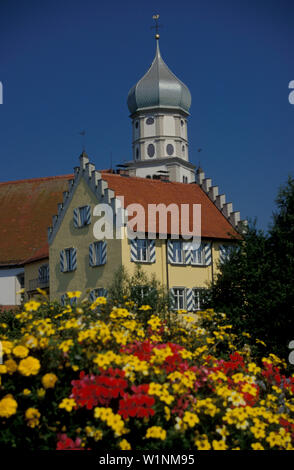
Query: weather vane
83	133
156	26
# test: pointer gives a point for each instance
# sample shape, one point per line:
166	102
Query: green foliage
142	289
255	285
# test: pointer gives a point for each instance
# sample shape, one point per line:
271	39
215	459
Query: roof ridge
41	178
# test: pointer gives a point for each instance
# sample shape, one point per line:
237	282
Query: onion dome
159	88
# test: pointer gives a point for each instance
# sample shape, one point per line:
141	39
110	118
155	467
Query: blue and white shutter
76	217
104	252
170	251
152	254
62	261
88	215
222	253
172	298
187	252
189	300
207	254
92	255
62	299
92	296
133	249
73	254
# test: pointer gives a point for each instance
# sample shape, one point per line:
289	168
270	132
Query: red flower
66	443
137	405
93	389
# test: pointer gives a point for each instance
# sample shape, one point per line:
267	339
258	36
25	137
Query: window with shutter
197	256
179	298
143	251
82	216
98	253
176	252
198	293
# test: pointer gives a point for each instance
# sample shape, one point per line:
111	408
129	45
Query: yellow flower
32	416
29	366
32	305
68	404
3	369
190	418
125	445
41	392
8	406
7	347
73	294
26	392
145	307
20	351
202	443
65	345
219	445
11	366
257	446
49	380
156	432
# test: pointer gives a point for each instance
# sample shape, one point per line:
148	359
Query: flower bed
82	378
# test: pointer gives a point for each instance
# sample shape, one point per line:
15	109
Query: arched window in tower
169	149
182	123
137	153
183	149
137	124
151	150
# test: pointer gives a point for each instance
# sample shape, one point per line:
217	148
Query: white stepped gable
95	181
219	200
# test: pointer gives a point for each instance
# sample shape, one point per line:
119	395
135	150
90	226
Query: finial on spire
156	27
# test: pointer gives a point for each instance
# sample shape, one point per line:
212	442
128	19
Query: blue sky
68	66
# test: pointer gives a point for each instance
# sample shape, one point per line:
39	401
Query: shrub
81	377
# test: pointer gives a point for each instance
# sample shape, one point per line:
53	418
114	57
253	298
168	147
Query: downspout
212	270
166	262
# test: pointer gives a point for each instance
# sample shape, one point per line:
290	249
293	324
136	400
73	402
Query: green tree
255	285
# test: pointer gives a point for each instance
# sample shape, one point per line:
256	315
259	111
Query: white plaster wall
149	129
9	285
169	127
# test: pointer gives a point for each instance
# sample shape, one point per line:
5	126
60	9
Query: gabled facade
78	261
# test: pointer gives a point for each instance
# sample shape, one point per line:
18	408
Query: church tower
159	108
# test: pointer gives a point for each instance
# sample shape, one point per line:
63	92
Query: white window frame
140	258
177	296
200	260
196	298
181	250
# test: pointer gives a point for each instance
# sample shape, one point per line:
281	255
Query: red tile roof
27	207
146	191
